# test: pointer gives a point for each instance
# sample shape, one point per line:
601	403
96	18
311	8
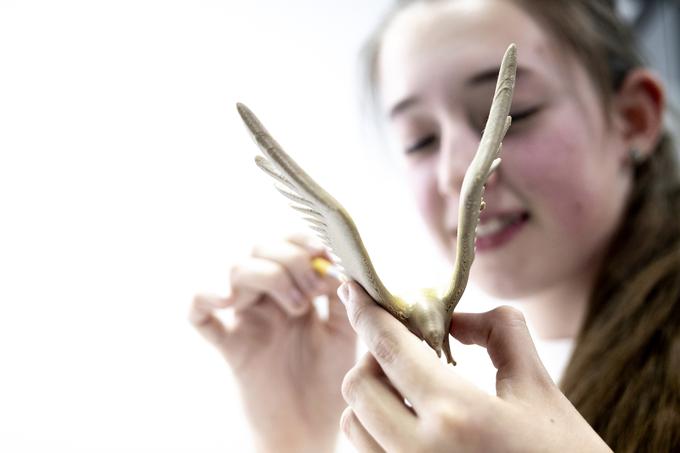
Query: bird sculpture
430	318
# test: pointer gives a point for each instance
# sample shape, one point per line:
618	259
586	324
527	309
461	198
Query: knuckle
197	301
302	239
296	236
385	347
197	306
300	260
255	250
443	419
509	315
357	314
235	272
279	281
241	271
350	384
194	315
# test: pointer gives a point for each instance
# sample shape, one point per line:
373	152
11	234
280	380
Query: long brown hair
624	374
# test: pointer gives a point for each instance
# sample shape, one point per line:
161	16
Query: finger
313	245
503	332
201	316
408	363
337	315
357	434
254	276
377	406
317	249
296	261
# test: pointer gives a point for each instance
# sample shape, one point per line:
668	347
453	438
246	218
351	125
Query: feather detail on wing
324	214
485	161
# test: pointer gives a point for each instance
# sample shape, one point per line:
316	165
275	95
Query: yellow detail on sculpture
326	268
430	317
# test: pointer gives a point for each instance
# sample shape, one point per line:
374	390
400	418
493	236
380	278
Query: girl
581	228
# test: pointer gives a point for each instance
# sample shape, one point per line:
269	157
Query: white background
127	185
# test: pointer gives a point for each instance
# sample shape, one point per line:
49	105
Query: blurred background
127	185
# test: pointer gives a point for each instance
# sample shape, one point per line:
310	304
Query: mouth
495	231
490	225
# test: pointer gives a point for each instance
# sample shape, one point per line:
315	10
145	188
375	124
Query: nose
457	148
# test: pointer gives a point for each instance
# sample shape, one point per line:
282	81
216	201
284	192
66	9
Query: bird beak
434	340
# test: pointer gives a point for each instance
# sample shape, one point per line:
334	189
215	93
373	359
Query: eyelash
519	116
429	140
422	143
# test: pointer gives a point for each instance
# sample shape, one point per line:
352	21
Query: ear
639	106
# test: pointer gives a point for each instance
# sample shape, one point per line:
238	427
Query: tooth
494	225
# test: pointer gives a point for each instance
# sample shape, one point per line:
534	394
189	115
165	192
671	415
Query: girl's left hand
446	412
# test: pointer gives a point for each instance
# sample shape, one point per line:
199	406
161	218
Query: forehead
455	40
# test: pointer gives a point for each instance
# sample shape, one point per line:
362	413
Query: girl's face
560	191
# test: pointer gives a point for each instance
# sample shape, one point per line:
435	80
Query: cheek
423	181
576	192
423	185
556	181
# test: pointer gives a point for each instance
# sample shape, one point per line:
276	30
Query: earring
636	156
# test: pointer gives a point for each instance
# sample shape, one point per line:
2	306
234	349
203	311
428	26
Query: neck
559	311
555	316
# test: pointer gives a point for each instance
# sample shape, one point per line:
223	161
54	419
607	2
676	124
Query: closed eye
519	116
422	144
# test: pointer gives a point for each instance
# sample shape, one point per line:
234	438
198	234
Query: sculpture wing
485	161
324	214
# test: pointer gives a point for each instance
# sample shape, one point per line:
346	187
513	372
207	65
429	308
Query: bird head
429	321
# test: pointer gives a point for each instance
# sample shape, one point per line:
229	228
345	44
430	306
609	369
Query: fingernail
343	292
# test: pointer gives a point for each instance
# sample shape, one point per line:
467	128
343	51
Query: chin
503	286
496	277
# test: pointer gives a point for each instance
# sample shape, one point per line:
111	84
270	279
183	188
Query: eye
422	144
524	114
517	117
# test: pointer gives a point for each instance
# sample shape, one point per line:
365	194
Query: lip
503	236
487	214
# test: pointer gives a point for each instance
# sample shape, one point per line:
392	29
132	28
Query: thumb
503	332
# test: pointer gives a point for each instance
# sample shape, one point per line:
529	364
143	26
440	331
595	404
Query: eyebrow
487	76
402	105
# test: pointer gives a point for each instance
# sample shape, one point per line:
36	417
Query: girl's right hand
288	362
